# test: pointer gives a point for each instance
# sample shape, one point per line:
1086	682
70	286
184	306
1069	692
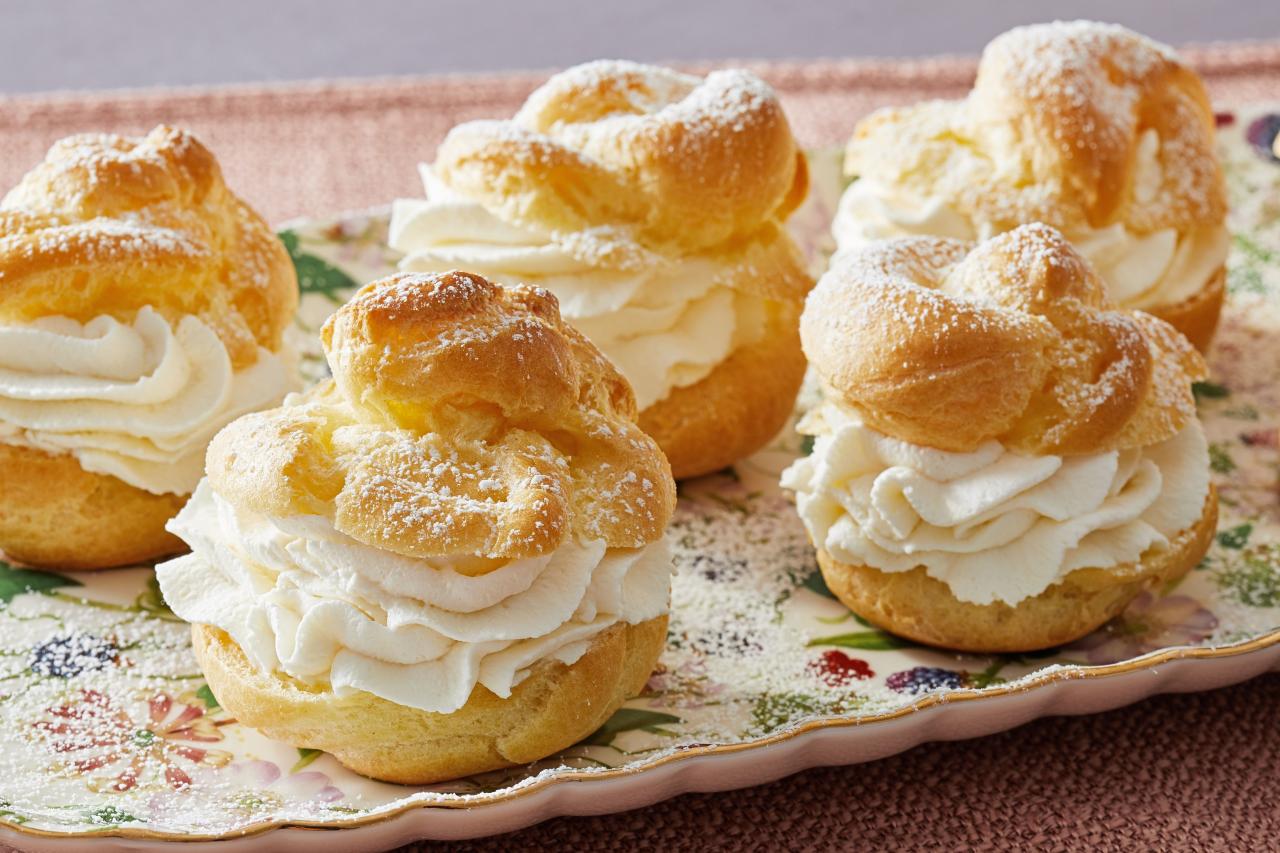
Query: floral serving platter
108	731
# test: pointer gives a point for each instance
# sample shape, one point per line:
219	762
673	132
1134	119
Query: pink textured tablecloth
318	148
1192	772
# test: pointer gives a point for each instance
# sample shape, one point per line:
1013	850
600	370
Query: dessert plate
107	730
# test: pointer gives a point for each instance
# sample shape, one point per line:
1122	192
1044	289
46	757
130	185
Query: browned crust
108	224
687	162
950	344
1072	101
1197	315
918	607
738	408
56	515
553	708
535	427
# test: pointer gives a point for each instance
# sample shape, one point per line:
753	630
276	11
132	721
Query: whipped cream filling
991	524
138	401
1141	270
304	600
665	326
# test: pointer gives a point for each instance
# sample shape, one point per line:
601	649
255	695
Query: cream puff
142	308
1090	128
1003	458
652	204
451	557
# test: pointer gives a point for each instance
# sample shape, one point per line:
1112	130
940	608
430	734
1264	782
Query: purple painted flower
1263	133
1147	624
264	780
924	679
249	789
686	686
836	669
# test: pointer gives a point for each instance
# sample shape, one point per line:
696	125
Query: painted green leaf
10	816
628	720
876	641
151	600
1220	460
344	809
1236	537
314	274
1245	279
110	816
815	583
205	695
1253	579
15	582
806	445
1252	248
305	757
1246	412
1024	658
1209	390
989	676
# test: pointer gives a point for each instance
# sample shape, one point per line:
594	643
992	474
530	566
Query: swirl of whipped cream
991	524
138	401
304	600
1141	270
665	325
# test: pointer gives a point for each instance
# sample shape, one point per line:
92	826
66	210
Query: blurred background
96	44
319	106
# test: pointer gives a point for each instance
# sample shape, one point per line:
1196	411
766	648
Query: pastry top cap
634	159
949	345
464	419
1053	131
108	224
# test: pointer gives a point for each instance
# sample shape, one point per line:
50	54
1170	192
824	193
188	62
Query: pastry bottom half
556	706
56	515
738	407
920	608
1197	315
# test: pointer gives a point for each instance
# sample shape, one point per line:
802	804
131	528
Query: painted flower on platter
100	740
686	685
69	655
262	785
1147	624
837	669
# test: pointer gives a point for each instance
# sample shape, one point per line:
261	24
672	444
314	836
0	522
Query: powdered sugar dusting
1051	133
624	165
1033	299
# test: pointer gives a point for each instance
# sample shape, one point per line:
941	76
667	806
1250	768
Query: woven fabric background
1180	773
1189	772
318	148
